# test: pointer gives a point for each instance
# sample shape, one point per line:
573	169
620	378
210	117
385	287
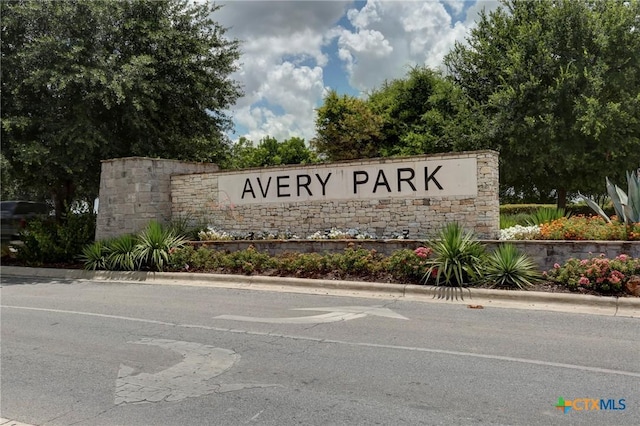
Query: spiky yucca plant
154	244
122	254
508	268
456	261
94	256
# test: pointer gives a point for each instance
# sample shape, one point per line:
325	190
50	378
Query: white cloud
281	63
285	52
389	36
297	90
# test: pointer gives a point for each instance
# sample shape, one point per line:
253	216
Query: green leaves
347	128
457	257
154	245
506	267
84	81
269	152
627	206
557	83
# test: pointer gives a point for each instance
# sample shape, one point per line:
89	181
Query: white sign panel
410	179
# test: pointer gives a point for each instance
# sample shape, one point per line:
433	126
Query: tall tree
422	113
347	128
558	83
84	81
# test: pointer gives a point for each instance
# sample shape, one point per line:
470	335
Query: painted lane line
346	343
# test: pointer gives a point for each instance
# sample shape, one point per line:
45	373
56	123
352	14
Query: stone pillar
136	190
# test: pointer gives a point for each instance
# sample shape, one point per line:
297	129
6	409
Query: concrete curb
568	302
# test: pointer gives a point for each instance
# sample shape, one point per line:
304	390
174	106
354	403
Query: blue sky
293	52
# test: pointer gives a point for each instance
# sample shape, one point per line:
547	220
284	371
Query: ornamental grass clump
545	215
598	274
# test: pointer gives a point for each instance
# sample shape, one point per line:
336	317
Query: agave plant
94	256
122	253
627	206
507	267
456	261
154	244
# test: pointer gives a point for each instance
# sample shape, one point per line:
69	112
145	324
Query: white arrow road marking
335	313
187	379
315	319
378	311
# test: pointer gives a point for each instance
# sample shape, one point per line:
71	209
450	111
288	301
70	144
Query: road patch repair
187	379
474	297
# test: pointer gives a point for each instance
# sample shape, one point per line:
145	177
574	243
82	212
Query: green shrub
512	209
408	265
599	274
508	268
301	264
355	261
75	231
582	209
180	259
247	261
457	259
47	241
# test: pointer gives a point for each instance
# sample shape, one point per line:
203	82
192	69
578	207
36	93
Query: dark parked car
14	216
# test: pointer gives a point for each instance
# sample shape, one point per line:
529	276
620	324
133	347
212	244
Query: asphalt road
96	353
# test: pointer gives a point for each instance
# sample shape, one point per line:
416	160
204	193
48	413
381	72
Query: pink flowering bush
409	265
599	274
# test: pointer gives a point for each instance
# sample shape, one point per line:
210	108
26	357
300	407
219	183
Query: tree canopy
269	152
558	85
420	113
347	128
84	81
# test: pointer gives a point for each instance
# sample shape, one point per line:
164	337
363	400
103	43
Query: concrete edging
630	305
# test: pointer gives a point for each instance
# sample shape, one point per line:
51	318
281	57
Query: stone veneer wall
135	190
196	195
544	253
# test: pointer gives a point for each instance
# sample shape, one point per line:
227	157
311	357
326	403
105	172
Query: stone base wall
136	190
544	253
198	196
